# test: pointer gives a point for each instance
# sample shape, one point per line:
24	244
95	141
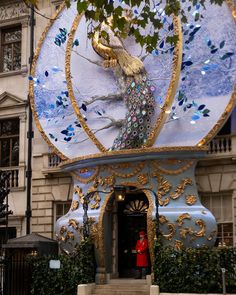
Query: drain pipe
30	133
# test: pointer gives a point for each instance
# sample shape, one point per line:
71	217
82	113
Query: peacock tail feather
140	103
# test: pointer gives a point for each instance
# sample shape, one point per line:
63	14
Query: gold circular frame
31	85
176	69
162	118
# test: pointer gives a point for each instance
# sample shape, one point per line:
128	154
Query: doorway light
119	193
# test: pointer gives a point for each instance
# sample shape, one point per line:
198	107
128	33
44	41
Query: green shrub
76	269
194	270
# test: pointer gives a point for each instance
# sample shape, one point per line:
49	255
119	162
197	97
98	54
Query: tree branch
117	96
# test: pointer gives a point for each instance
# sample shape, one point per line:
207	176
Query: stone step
121	287
120	293
127	281
133	288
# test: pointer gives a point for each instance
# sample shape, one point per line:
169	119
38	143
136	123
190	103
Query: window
220	205
10	56
61	208
9	142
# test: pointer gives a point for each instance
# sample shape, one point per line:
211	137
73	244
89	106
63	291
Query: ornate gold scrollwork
84	170
171	228
74	205
114	169
172	231
79	192
143	178
109	181
73	223
178	245
97	199
94	197
163	188
202	225
162	219
172	162
182	217
185	231
180	188
190	200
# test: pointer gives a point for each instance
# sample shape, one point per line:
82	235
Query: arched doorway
110	227
131	218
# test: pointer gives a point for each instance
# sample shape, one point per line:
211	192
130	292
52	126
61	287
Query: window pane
59	210
227	208
15	152
16	56
67	208
225	234
7	58
12	35
5	153
10	127
11	49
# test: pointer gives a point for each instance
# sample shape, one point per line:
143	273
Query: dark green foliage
76	269
98	11
194	270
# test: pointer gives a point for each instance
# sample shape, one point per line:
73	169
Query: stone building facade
52	189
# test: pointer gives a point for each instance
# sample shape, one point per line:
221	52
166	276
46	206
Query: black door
132	217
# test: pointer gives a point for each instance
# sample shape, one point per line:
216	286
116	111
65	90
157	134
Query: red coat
142	256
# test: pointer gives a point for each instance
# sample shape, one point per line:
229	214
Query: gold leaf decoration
180	188
142	178
73	223
202	225
162	219
63	229
172	231
98	181
97	199
79	192
184	231
136	207
182	217
163	188
74	205
109	181
191	200
178	245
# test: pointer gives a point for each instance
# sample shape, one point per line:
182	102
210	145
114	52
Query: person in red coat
142	253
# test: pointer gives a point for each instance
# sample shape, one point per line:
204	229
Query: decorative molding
14	9
23	72
8	100
133	152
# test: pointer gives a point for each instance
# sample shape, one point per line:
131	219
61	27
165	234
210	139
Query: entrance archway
113	220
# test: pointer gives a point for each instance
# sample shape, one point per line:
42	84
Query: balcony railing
14	175
53	160
222	145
